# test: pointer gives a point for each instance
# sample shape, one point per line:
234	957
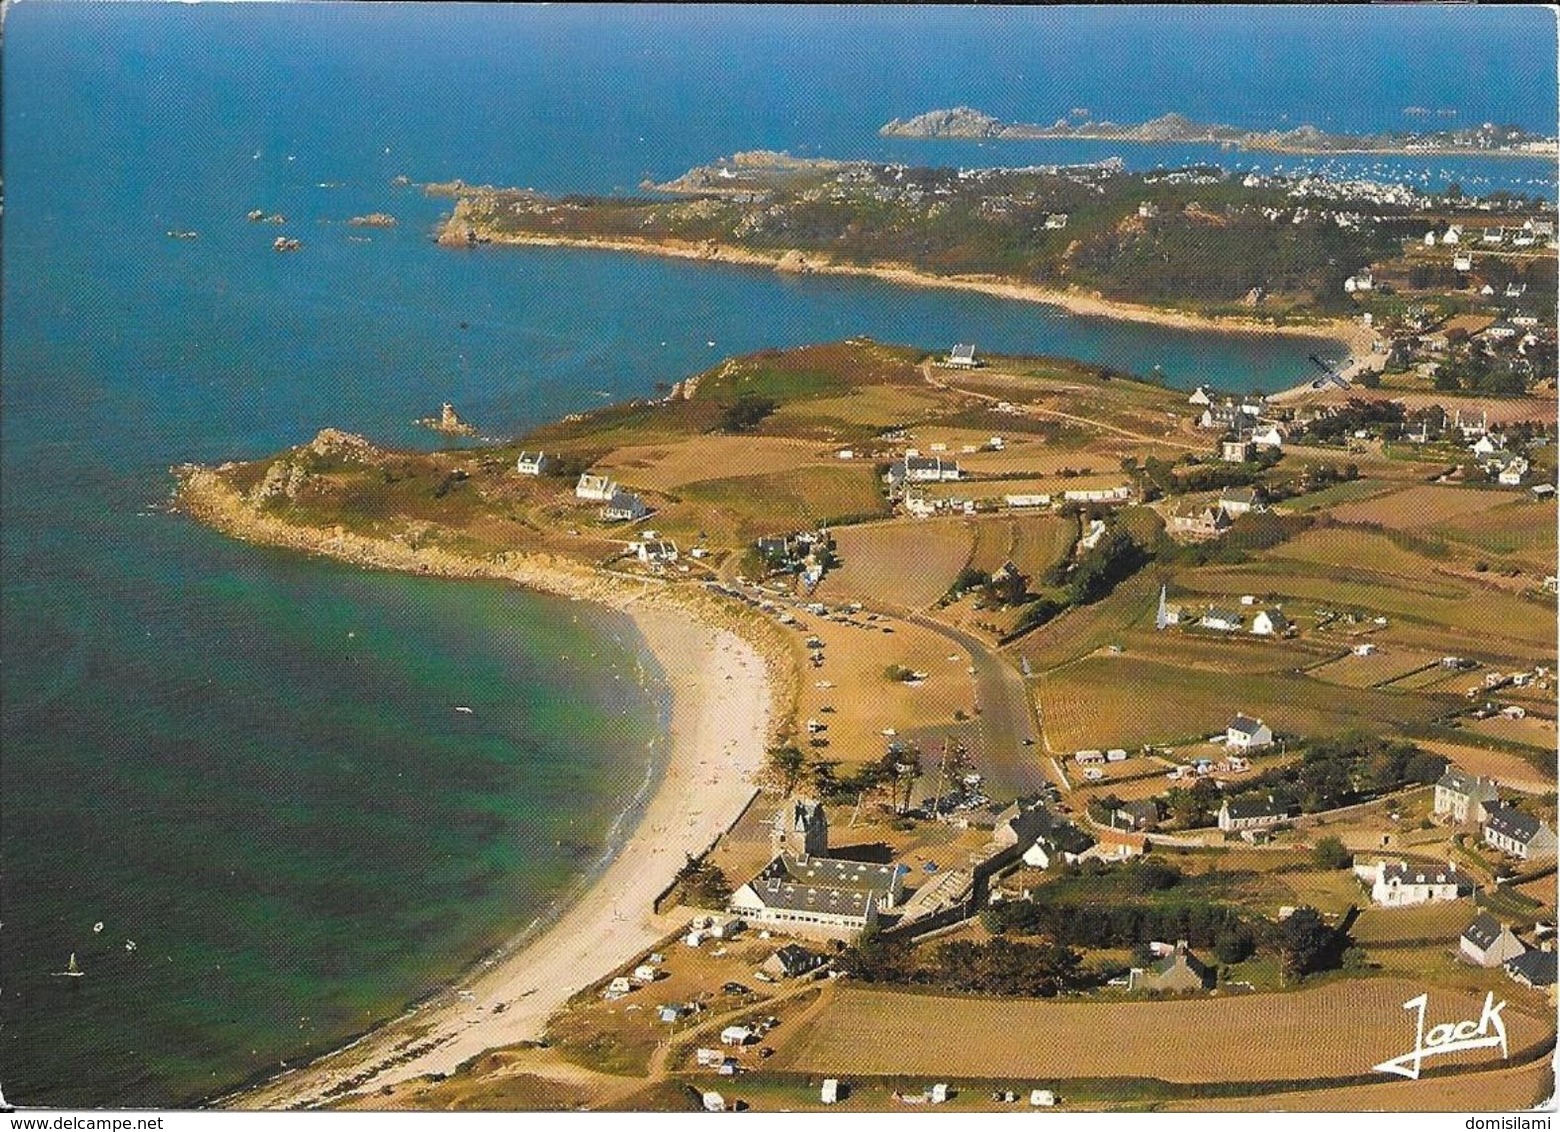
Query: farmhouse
923	469
595	489
1489	943
1397	884
819	897
1202	520
1462	797
1516	833
1269	623
624	506
531	463
1047	838
1224	620
1236	451
1255	811
1534	969
654	551
1178	971
1241	500
1247	734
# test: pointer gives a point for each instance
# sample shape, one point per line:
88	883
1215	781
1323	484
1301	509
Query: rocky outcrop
448	422
959	122
374	220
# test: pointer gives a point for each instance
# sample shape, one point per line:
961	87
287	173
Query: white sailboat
72	969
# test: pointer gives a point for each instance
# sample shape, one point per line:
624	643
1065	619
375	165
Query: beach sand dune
719	721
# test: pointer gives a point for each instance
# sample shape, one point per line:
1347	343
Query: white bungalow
962	356
1268	436
1489	943
531	463
1269	623
624	506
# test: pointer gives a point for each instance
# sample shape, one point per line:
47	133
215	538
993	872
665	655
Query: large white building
1462	797
818	897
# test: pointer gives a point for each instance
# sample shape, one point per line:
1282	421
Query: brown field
907	564
739	509
665	468
1082	705
1530	732
1498	1090
1505	767
1260	1036
1521	531
1080	631
1357	548
1388	664
1420	506
1032	542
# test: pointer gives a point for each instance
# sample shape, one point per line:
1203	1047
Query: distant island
963	122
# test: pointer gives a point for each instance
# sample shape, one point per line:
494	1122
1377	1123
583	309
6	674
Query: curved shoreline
731	686
796	261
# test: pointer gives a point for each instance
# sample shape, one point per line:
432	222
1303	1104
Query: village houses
1489	943
1462	797
1517	834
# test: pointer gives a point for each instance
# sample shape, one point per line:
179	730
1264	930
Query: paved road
1007	717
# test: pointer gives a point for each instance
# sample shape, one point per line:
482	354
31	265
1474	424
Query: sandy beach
724	701
798	262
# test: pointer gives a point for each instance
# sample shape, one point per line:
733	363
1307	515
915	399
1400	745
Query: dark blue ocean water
248	763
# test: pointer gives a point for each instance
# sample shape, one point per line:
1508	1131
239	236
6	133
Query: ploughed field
1336	1030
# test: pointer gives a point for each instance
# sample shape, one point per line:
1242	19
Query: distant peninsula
965	123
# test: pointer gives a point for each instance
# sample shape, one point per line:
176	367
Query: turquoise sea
248	763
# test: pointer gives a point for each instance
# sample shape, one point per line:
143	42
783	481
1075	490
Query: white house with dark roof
1489	943
654	551
1224	620
624	506
1462	797
801	828
1240	500
1397	884
1247	734
531	463
1255	811
1517	834
1269	623
595	488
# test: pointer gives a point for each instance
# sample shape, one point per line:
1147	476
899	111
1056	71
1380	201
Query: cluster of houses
1487	942
618	506
1464	799
803	553
1265	622
1244	426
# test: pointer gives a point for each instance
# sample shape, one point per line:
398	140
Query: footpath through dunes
1338	1030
